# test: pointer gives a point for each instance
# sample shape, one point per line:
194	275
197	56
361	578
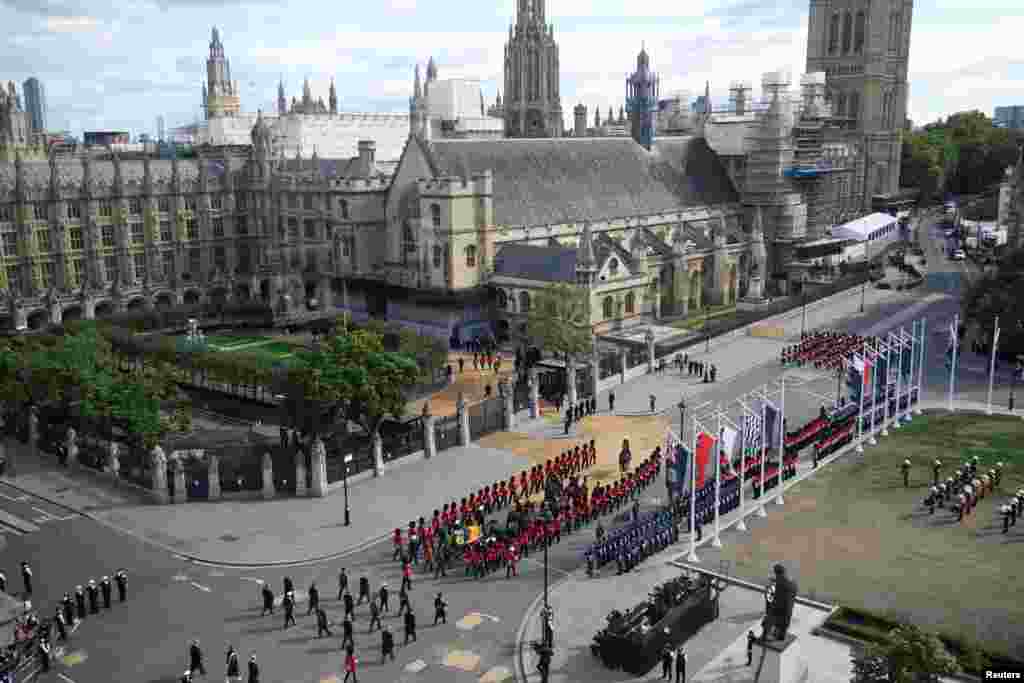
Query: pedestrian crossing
22	514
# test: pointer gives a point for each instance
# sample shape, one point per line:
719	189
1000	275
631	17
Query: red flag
705	447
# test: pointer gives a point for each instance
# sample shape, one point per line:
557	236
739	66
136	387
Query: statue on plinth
779	597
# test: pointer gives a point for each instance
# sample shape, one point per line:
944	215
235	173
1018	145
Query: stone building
532	107
1011	203
16	127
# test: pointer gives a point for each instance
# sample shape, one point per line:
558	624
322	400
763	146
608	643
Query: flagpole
692	557
761	512
782	434
899	380
992	368
742	525
716	542
920	368
952	366
863	390
872	441
908	413
885	384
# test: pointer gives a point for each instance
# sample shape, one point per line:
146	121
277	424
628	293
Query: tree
353	374
559	320
998	295
910	655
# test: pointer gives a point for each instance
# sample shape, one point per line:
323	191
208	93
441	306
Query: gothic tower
532	102
864	47
221	93
282	101
642	100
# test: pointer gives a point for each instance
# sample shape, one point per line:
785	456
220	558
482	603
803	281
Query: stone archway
164	301
137	304
38	319
192	298
72	313
104	309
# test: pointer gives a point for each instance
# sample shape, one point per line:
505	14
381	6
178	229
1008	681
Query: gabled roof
545	264
569	180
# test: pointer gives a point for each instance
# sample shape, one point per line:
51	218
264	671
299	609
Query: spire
417	86
282	102
431	70
585	257
332	98
483	107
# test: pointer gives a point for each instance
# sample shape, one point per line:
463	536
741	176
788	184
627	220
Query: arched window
435	215
833	34
343	208
471	256
858	33
608	307
438	255
613	267
853	106
847	32
841	104
630	303
524	302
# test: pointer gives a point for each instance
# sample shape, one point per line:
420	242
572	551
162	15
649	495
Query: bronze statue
779	597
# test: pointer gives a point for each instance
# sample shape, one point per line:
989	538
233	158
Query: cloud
41	7
79	24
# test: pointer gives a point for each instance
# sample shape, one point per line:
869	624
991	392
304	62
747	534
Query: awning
864	227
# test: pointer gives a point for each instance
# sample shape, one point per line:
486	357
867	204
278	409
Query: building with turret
532	107
16	135
642	101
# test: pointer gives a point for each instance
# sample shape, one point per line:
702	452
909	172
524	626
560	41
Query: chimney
366	154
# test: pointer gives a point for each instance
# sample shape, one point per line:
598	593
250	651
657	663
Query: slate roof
567	180
545	264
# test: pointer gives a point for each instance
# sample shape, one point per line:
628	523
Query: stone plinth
570	382
268	477
300	473
775	661
159	460
318	465
429	436
213	478
378	455
509	405
534	395
71	446
463	415
114	461
180	485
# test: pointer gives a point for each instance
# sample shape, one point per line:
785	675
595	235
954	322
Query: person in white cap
106	588
906	473
1005	511
936	467
94	597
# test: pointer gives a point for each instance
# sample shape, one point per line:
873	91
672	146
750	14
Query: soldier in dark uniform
364	590
121	579
440	610
383	595
268	600
289	587
350	605
322	625
1004	510
936	468
342	583
26	578
80	602
374	615
347	633
441	559
681	665
58	619
3	582
751	639
666	662
387	645
69	608
106	588
94	597
905	467
410	626
232	671
403	600
314	598
288	602
43	650
195	659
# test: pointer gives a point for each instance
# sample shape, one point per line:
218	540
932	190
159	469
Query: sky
118	64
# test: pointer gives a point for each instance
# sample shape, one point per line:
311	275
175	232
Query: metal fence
486	417
446	432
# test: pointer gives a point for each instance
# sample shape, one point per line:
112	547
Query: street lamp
803	295
344	480
707	337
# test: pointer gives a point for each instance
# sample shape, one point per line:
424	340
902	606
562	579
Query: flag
771	417
705	447
679	471
751	431
863	367
729	438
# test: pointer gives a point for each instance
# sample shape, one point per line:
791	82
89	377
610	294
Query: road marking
15	499
30	676
415	666
63	677
77	624
180	577
541	564
498	674
201	587
249	578
65	518
41	520
216	573
486	616
44	513
462	660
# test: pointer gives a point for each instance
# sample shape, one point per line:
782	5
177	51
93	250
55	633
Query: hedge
870	627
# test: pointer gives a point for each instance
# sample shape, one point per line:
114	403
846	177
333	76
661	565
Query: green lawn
696	320
853	535
228	342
